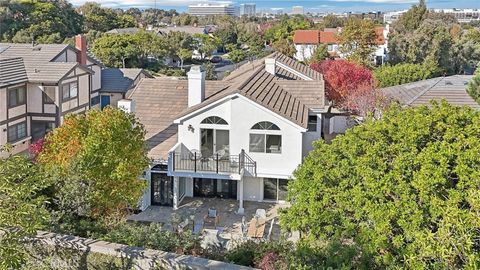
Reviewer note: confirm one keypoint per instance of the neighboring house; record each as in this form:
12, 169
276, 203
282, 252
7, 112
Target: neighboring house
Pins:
453, 89
129, 30
307, 41
239, 138
116, 82
39, 85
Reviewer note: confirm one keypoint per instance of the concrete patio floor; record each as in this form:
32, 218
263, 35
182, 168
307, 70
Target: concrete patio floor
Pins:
230, 221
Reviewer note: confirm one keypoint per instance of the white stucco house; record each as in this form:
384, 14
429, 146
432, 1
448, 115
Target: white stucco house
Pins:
239, 138
307, 41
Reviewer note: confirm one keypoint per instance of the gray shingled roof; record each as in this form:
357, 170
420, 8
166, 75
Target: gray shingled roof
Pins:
119, 80
128, 30
451, 88
160, 101
12, 71
37, 60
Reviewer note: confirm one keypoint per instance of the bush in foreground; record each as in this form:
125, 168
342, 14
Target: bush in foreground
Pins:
400, 192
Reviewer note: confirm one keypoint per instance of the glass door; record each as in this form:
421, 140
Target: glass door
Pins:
206, 142
214, 141
162, 189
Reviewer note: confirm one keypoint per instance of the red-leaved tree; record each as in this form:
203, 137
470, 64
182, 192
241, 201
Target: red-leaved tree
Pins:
343, 79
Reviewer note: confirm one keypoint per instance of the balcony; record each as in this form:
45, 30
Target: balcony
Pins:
184, 160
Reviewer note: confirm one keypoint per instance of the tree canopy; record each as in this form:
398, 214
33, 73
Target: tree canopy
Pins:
473, 87
343, 78
25, 21
357, 40
96, 160
404, 73
399, 193
22, 208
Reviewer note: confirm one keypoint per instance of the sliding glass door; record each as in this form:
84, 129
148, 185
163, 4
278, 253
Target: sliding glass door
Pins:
214, 141
275, 189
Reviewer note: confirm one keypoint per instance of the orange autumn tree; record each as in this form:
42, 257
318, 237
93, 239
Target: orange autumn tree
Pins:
96, 160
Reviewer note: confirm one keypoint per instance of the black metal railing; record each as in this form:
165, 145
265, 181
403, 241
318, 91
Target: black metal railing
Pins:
195, 162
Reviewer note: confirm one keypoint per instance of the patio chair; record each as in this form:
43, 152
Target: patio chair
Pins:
261, 213
211, 219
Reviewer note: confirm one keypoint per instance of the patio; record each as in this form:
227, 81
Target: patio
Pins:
229, 224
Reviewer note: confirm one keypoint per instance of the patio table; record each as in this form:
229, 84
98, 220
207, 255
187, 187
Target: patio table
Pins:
256, 228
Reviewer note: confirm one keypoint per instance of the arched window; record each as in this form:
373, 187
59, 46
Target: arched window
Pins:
214, 120
265, 125
265, 137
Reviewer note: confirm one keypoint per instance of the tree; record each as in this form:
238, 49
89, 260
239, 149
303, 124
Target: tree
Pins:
96, 160
115, 50
473, 87
320, 54
22, 208
285, 47
41, 21
236, 56
399, 193
404, 73
357, 40
332, 21
343, 78
411, 20
184, 54
205, 44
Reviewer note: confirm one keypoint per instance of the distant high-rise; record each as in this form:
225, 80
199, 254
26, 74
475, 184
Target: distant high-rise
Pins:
212, 9
247, 10
297, 10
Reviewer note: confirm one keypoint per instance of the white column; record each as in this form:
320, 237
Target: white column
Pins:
241, 210
175, 192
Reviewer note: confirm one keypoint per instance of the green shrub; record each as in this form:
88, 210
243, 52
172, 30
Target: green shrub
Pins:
404, 73
473, 88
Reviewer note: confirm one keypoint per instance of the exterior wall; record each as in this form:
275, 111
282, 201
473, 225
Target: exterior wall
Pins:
3, 104
304, 51
97, 77
338, 124
242, 114
68, 55
252, 189
114, 98
310, 136
82, 101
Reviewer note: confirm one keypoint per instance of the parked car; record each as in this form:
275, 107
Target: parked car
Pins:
216, 59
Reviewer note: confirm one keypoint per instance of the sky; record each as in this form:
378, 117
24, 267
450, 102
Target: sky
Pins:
286, 5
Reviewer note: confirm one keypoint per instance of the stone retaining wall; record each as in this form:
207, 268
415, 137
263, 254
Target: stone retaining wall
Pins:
140, 257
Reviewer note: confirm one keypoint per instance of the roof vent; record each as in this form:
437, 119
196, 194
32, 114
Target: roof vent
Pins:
37, 48
448, 83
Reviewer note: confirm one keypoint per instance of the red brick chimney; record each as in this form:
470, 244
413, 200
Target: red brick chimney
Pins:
81, 45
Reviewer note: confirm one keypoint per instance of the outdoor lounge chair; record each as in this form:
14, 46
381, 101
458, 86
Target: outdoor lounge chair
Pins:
211, 219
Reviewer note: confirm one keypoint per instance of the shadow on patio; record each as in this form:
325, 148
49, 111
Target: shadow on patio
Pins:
229, 222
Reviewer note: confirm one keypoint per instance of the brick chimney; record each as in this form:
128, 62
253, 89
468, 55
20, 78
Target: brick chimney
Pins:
81, 45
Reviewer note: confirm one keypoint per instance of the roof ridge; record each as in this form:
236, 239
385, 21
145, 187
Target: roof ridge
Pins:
424, 91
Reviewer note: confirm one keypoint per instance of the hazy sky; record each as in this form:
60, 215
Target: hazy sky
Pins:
286, 5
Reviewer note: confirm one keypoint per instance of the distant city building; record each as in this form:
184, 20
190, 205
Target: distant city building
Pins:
462, 15
247, 10
392, 16
297, 10
212, 9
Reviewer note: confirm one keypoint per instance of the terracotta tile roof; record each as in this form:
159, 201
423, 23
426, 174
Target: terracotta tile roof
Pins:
380, 40
451, 88
328, 36
306, 37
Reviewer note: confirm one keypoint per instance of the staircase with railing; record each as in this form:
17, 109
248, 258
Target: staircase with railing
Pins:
184, 160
